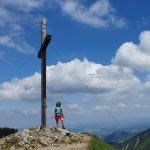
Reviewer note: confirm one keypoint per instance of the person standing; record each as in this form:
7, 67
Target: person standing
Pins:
59, 115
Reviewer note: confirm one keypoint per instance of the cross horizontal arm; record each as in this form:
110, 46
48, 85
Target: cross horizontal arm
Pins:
44, 44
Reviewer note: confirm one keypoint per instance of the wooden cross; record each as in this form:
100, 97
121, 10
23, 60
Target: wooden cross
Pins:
45, 40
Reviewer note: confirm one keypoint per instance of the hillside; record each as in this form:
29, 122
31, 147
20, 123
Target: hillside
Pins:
51, 138
138, 142
118, 137
97, 144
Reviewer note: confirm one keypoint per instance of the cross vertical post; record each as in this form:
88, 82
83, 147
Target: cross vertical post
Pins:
45, 39
43, 76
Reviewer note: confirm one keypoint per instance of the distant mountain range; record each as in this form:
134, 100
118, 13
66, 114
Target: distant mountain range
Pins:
118, 137
140, 141
130, 136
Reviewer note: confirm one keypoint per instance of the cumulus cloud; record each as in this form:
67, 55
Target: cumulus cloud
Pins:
102, 108
21, 89
122, 105
135, 56
76, 76
86, 86
100, 14
75, 107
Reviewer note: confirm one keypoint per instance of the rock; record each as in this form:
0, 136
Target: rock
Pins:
12, 148
43, 142
21, 143
35, 138
56, 139
26, 146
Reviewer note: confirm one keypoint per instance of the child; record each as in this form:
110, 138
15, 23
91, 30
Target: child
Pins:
59, 115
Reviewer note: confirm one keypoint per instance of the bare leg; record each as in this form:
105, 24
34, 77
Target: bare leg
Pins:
57, 122
62, 122
57, 125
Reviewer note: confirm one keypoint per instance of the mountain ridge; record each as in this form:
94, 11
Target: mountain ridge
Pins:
140, 141
118, 137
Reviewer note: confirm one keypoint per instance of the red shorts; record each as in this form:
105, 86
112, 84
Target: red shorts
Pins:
61, 117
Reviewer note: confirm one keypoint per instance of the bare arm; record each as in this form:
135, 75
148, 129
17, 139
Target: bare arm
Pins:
53, 114
62, 113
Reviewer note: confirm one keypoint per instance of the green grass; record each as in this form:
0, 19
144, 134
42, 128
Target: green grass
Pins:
97, 144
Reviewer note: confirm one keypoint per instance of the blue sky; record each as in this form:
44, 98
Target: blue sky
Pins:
98, 60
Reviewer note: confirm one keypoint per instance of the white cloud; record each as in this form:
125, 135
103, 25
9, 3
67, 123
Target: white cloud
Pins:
25, 89
122, 105
105, 88
6, 16
75, 107
102, 108
76, 76
100, 14
136, 56
140, 106
9, 41
12, 28
137, 106
26, 6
